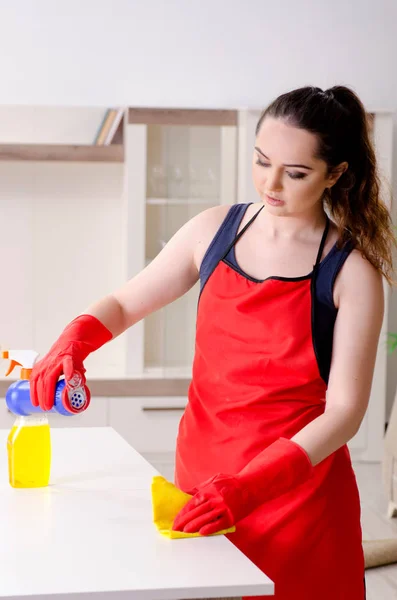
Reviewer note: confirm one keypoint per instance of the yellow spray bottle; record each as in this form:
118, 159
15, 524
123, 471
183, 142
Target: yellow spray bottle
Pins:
29, 442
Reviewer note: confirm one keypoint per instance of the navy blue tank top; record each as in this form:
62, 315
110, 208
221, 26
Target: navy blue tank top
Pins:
323, 308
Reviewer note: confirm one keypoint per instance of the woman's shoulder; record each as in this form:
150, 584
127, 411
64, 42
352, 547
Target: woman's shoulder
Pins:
359, 267
358, 279
207, 224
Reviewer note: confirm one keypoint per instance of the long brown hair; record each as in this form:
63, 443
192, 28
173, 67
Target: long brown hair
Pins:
338, 118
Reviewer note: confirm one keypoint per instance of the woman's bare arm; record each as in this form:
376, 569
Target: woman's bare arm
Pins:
171, 274
355, 343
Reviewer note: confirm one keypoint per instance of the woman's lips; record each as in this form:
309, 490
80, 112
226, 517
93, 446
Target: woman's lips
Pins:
274, 201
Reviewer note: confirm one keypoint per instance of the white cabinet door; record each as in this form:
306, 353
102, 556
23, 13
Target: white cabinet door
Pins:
149, 424
177, 164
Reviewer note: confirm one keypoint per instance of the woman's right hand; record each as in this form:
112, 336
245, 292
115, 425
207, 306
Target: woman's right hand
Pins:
81, 337
48, 370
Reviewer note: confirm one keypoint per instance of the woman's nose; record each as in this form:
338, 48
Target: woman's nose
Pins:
274, 180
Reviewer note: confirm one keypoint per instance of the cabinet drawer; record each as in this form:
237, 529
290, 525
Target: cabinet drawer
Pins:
149, 424
96, 415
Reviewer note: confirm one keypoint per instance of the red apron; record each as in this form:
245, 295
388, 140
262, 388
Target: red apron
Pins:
256, 378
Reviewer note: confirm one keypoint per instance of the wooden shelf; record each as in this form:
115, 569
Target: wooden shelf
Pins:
164, 372
181, 201
62, 153
182, 116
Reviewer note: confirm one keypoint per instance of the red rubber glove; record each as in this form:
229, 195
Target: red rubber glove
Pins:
81, 337
223, 500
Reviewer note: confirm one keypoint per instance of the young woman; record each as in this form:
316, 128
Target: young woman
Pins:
289, 317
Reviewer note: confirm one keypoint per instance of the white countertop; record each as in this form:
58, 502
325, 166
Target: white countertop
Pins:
91, 532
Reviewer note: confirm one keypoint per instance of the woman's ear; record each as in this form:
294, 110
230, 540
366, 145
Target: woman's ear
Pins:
336, 173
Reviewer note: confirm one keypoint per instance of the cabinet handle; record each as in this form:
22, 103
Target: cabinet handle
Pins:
162, 408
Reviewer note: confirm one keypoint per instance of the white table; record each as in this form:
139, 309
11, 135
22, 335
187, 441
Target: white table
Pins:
91, 532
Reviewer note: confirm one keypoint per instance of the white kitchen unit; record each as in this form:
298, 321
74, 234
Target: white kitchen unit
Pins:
90, 534
177, 164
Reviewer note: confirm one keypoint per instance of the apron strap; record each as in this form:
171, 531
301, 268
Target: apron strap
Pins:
320, 250
322, 243
241, 233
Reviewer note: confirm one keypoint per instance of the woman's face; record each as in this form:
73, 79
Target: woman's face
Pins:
285, 169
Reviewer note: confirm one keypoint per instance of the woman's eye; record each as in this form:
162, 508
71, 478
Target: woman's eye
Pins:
297, 175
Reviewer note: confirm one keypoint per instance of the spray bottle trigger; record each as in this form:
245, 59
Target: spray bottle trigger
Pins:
12, 365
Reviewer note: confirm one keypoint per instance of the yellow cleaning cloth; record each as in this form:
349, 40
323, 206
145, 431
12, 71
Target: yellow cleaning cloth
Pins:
167, 501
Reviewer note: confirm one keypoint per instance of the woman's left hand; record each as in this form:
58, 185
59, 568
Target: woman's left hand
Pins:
218, 504
223, 500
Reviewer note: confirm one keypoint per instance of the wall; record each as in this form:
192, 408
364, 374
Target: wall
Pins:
215, 53
45, 258
49, 124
